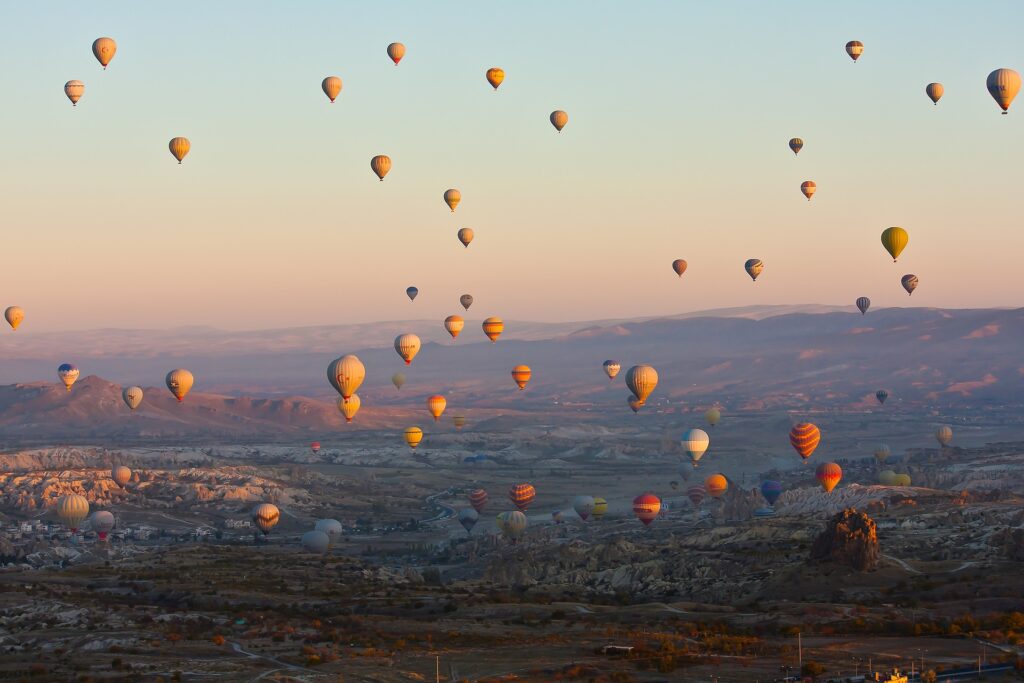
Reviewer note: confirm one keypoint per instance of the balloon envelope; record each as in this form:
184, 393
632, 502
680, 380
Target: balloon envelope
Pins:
68, 373
583, 505
72, 509
14, 315
132, 397
641, 380
466, 300
478, 499
179, 147
753, 266
828, 475
771, 490
265, 516
468, 518
934, 92
863, 304
716, 485
855, 49
895, 240
495, 76
121, 475
332, 87
346, 374
522, 495
180, 382
104, 49
413, 436
493, 327
558, 119
909, 283
316, 542
407, 346
1003, 85
796, 144
804, 438
646, 508
396, 51
611, 368
695, 442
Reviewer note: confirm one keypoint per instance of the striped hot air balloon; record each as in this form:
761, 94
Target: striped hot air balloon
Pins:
805, 438
611, 368
512, 524
350, 407
452, 197
863, 304
121, 475
828, 475
600, 508
934, 92
909, 282
265, 516
453, 324
522, 495
179, 147
478, 499
413, 436
493, 327
459, 421
436, 405
895, 240
1003, 85
882, 452
521, 375
716, 485
796, 144
944, 435
881, 395
695, 442
380, 165
696, 495
808, 187
641, 380
72, 509
407, 346
396, 51
646, 508
753, 266
855, 49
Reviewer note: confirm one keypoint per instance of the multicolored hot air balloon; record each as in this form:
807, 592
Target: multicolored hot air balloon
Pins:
679, 266
804, 437
771, 490
346, 374
478, 499
72, 509
796, 144
522, 495
611, 368
413, 436
265, 516
493, 327
74, 91
121, 475
600, 508
436, 405
459, 421
396, 51
716, 485
180, 382
895, 240
828, 475
713, 415
495, 76
452, 197
314, 447
934, 92
466, 300
14, 316
855, 49
753, 266
909, 282
512, 524
646, 507
944, 435
453, 324
179, 147
411, 292
881, 395
863, 304
407, 346
695, 442
380, 165
468, 518
1003, 85
398, 379
132, 397
641, 380
696, 495
521, 375
68, 373
104, 50
349, 407
882, 452
466, 236
584, 506
332, 87
808, 187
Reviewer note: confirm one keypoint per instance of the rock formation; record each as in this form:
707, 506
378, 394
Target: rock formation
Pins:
849, 539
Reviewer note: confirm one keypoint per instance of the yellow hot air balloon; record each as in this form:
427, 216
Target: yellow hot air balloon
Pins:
808, 187
265, 516
716, 485
74, 90
346, 374
381, 164
493, 327
132, 397
14, 316
413, 436
121, 475
454, 324
713, 415
466, 236
887, 478
350, 407
901, 479
934, 92
396, 51
641, 380
459, 421
558, 119
495, 76
180, 383
521, 375
1003, 85
452, 197
179, 147
600, 508
407, 346
895, 240
398, 379
72, 509
332, 87
104, 50
436, 405
67, 373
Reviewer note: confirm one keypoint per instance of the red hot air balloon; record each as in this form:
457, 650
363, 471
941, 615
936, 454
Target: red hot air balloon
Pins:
478, 499
646, 508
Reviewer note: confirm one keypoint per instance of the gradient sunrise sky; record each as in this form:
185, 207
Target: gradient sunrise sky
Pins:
676, 147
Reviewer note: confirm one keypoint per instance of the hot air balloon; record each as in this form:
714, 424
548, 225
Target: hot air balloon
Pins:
934, 92
466, 300
67, 373
332, 87
411, 292
895, 241
634, 403
753, 266
265, 516
944, 435
121, 475
104, 50
679, 266
641, 380
413, 436
74, 90
521, 375
102, 522
902, 479
909, 282
72, 509
1003, 85
180, 383
522, 495
881, 395
600, 508
478, 499
611, 368
696, 495
315, 447
407, 346
346, 374
713, 416
436, 405
674, 484
558, 119
398, 379
380, 165
132, 397
453, 324
828, 475
695, 442
331, 527
887, 478
557, 517
468, 518
452, 197
796, 144
493, 327
716, 485
882, 452
584, 506
179, 147
350, 407
513, 524
396, 51
863, 304
771, 490
646, 508
316, 542
855, 49
495, 76
808, 187
14, 316
466, 236
459, 421
805, 438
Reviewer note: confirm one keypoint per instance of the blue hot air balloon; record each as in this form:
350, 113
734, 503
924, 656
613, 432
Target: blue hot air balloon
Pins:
771, 490
411, 292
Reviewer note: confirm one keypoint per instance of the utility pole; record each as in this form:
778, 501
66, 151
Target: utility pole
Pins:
437, 668
800, 653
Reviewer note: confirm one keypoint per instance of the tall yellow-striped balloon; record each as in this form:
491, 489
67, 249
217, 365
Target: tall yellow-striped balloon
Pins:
179, 147
895, 240
521, 375
493, 327
641, 380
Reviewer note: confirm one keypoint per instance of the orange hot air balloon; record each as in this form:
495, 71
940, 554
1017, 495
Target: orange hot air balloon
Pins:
436, 405
495, 76
805, 438
641, 380
716, 485
828, 475
558, 119
646, 508
934, 92
522, 495
679, 265
331, 87
521, 375
466, 236
808, 187
179, 147
478, 499
454, 324
380, 165
104, 49
396, 51
452, 197
493, 327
